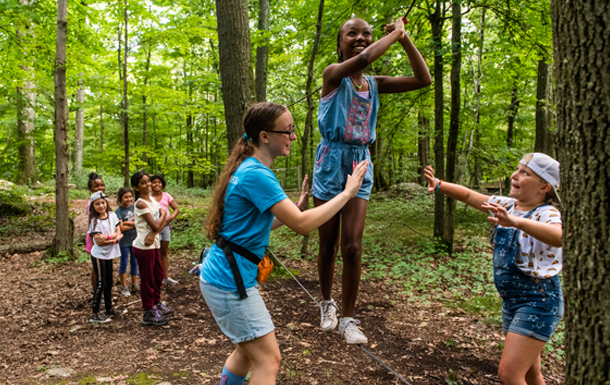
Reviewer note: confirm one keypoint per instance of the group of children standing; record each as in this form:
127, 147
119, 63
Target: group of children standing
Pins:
137, 232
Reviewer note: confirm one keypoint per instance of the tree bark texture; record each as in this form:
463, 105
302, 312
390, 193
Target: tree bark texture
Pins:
64, 226
28, 174
581, 37
510, 132
234, 50
125, 105
436, 22
543, 137
454, 123
79, 132
144, 114
262, 52
423, 146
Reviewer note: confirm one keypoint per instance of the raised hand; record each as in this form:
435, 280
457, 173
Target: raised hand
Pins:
499, 215
354, 181
429, 174
304, 199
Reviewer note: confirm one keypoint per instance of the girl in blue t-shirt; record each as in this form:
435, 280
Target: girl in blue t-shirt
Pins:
249, 203
347, 119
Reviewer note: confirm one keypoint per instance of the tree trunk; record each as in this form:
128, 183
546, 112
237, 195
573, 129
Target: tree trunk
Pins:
454, 124
79, 132
26, 97
512, 114
582, 64
436, 22
64, 227
144, 115
101, 133
543, 143
125, 106
262, 52
234, 50
423, 146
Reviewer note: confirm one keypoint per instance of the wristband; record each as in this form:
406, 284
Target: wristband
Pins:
109, 237
438, 184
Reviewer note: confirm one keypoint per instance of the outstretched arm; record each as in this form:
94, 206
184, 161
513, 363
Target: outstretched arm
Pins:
549, 233
306, 221
456, 191
421, 75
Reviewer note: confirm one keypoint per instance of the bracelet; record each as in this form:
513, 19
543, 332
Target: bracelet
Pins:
438, 184
109, 237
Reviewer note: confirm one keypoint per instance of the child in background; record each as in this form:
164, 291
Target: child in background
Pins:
125, 213
527, 260
94, 184
105, 231
165, 201
150, 220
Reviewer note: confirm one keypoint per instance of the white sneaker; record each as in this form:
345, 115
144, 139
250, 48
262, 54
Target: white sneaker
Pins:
350, 332
328, 315
169, 281
125, 291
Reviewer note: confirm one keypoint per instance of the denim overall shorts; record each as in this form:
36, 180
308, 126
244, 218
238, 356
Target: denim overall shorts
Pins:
532, 307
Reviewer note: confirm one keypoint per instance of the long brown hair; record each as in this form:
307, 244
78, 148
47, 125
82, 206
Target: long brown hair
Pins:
260, 117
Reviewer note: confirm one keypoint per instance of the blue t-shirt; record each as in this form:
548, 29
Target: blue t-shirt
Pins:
246, 221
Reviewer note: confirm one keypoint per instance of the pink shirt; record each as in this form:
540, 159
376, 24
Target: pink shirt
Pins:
165, 201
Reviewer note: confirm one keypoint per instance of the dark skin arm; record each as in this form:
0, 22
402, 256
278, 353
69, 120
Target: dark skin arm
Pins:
157, 225
334, 73
175, 211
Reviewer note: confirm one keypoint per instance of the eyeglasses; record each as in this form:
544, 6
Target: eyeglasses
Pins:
289, 133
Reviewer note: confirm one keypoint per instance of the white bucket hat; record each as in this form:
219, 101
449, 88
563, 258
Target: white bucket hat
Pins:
545, 167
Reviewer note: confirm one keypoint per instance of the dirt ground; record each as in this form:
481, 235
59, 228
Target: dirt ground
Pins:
44, 310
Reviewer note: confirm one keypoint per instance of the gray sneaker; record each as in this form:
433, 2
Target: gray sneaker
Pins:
350, 332
154, 317
169, 281
99, 318
328, 315
135, 288
125, 291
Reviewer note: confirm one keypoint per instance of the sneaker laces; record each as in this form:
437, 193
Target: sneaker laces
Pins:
164, 308
157, 312
349, 327
326, 307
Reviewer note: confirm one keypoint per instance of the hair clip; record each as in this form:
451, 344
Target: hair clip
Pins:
246, 138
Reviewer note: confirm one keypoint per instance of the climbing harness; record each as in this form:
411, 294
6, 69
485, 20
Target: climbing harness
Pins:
374, 357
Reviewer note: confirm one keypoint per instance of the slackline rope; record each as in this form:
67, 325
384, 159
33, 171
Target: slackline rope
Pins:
318, 304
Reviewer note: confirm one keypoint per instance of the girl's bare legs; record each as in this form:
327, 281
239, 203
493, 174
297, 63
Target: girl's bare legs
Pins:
164, 259
352, 221
328, 235
262, 354
520, 362
354, 215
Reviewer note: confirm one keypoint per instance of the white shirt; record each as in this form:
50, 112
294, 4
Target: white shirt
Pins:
105, 227
535, 258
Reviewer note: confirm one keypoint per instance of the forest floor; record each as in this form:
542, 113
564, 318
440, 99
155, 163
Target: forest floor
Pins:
429, 332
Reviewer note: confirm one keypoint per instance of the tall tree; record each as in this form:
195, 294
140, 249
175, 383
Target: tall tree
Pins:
64, 227
262, 52
125, 104
423, 145
454, 122
436, 21
25, 114
582, 62
77, 166
543, 135
235, 57
144, 111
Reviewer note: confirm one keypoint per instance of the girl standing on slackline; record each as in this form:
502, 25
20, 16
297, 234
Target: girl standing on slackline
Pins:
527, 260
248, 203
347, 117
165, 201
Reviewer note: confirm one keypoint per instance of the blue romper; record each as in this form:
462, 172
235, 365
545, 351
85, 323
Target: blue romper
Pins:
347, 125
531, 306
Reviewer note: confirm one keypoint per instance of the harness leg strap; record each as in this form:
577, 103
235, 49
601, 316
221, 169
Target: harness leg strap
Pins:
239, 282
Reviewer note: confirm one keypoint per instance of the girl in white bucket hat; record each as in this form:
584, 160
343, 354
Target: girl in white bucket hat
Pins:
527, 260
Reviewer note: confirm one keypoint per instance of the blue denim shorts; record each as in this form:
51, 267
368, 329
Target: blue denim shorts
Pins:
165, 234
240, 320
536, 317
